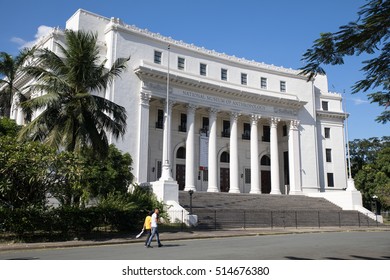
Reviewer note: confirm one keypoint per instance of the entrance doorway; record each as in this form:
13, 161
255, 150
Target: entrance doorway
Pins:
181, 175
225, 179
265, 181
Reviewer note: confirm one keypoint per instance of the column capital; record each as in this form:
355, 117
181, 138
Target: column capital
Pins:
213, 111
170, 104
144, 98
191, 108
294, 124
274, 121
234, 116
255, 119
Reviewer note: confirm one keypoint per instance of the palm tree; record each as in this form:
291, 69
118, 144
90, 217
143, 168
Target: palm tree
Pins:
73, 115
10, 69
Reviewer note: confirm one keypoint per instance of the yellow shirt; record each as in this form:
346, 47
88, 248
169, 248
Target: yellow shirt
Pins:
147, 223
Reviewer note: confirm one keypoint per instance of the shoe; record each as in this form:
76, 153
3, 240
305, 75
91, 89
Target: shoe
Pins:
149, 246
160, 245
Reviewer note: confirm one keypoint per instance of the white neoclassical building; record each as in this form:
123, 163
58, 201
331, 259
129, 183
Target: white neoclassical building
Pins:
229, 124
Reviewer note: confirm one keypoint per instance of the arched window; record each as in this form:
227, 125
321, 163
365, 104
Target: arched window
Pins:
225, 157
181, 153
265, 160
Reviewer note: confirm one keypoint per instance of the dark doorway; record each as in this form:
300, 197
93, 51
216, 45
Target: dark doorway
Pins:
225, 179
181, 175
265, 181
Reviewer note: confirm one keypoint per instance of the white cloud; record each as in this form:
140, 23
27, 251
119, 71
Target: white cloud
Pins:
359, 101
43, 30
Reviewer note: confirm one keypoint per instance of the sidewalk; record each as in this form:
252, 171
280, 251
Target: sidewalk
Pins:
183, 235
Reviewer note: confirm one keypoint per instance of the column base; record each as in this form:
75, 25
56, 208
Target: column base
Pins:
189, 188
212, 189
275, 192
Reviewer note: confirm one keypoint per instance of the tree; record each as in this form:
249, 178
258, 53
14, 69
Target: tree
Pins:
10, 69
8, 127
109, 175
24, 179
370, 160
73, 115
368, 34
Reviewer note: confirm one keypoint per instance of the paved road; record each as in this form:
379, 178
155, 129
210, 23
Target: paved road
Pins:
325, 246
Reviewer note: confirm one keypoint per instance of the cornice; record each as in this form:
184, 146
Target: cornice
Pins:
118, 25
289, 102
332, 115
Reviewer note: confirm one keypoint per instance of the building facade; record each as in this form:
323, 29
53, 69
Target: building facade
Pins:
235, 125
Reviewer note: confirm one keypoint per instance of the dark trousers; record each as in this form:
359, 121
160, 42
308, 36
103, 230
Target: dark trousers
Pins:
149, 232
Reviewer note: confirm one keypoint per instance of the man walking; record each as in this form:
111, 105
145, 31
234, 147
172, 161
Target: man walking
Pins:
154, 224
147, 226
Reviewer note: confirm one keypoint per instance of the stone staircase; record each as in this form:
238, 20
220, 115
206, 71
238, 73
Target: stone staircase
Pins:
226, 210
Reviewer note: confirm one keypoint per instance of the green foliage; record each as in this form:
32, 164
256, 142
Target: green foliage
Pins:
369, 34
72, 117
8, 127
109, 175
24, 179
371, 161
10, 68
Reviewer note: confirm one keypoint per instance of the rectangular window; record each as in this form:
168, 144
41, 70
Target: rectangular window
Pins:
263, 83
247, 175
325, 106
330, 179
266, 133
244, 78
205, 125
282, 86
157, 57
328, 155
327, 132
160, 119
224, 74
205, 175
183, 123
180, 63
203, 69
159, 169
226, 129
285, 131
247, 132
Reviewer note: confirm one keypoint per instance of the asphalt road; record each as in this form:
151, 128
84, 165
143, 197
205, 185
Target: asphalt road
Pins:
319, 246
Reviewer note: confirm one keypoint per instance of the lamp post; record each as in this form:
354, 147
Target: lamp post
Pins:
190, 192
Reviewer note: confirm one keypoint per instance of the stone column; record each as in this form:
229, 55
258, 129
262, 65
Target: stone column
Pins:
190, 149
143, 138
293, 158
213, 164
166, 174
275, 179
233, 165
255, 176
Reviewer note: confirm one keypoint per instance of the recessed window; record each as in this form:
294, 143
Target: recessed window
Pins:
157, 57
282, 86
325, 105
327, 132
160, 119
244, 79
266, 133
226, 129
247, 132
225, 157
330, 179
183, 123
265, 161
180, 63
181, 153
247, 175
224, 74
263, 83
328, 155
203, 69
285, 131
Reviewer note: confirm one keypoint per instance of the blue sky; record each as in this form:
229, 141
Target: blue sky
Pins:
275, 32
